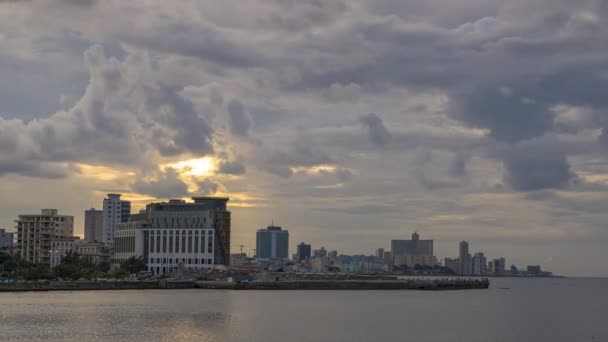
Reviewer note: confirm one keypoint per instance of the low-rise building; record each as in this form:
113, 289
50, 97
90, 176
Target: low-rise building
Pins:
95, 252
60, 248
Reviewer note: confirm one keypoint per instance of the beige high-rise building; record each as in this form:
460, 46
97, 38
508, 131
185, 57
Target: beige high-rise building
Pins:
36, 233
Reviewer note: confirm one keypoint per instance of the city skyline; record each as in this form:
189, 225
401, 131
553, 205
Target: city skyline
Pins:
350, 122
403, 252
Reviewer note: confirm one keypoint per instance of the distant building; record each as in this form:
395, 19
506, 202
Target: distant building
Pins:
272, 243
332, 256
465, 259
95, 252
498, 266
388, 258
238, 259
303, 252
411, 261
452, 264
534, 270
93, 225
36, 233
415, 246
60, 248
320, 253
479, 264
380, 253
6, 241
115, 211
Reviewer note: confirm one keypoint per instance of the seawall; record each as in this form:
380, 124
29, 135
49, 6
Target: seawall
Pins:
413, 284
349, 285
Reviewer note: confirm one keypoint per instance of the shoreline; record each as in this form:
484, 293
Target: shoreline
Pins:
417, 284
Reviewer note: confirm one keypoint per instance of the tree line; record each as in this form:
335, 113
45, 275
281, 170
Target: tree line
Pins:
73, 267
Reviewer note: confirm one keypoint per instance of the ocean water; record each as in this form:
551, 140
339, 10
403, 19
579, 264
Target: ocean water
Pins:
539, 310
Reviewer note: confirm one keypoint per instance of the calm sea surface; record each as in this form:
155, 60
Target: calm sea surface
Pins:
536, 310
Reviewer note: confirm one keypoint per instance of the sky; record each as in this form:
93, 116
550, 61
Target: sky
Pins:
349, 123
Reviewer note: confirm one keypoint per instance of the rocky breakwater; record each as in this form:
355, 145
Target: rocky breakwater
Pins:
410, 284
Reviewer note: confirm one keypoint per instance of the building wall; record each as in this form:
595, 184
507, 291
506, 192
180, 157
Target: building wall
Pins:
93, 225
35, 234
115, 211
303, 252
6, 241
413, 260
272, 243
415, 246
96, 252
59, 249
479, 264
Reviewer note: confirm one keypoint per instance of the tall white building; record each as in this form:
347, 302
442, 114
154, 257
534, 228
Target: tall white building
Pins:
115, 211
93, 225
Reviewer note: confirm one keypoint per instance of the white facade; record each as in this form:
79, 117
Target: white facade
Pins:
172, 248
115, 211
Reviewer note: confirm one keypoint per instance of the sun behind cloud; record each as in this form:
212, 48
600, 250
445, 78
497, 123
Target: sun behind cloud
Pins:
196, 167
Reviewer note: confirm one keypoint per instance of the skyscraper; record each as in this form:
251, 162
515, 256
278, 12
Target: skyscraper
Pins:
464, 258
380, 253
93, 225
303, 252
115, 211
479, 266
272, 243
36, 234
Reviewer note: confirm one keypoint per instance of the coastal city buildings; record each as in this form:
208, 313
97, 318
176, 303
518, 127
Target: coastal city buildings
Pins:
380, 253
272, 243
303, 252
35, 234
497, 266
6, 241
93, 225
115, 211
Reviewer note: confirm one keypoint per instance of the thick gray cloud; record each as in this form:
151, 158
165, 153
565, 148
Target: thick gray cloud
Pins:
238, 118
234, 167
166, 185
378, 133
206, 187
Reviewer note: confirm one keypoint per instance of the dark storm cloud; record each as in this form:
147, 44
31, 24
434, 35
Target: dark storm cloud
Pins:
535, 171
32, 169
378, 133
235, 167
167, 185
